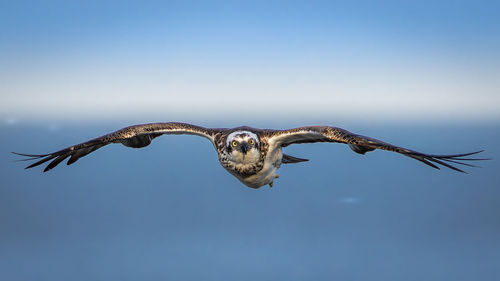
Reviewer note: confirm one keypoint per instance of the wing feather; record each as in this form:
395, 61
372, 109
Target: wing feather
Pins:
362, 144
136, 136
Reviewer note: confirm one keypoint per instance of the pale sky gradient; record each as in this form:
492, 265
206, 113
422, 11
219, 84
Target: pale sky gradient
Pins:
399, 60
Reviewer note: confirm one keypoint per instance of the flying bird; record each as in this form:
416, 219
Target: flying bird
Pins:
252, 155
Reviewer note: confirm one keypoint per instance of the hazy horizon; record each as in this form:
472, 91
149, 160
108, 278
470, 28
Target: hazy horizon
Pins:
422, 61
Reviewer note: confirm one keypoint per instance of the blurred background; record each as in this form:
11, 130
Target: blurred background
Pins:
421, 74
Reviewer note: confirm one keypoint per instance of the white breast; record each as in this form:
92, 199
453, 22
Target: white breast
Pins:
267, 174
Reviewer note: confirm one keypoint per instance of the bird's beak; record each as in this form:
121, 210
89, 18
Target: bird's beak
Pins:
244, 148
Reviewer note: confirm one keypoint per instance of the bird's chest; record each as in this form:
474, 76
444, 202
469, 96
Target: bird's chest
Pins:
268, 173
257, 174
240, 169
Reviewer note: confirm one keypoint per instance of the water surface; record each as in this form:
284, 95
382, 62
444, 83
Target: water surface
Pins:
171, 212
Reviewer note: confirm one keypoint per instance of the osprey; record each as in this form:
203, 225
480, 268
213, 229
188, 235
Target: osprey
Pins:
251, 155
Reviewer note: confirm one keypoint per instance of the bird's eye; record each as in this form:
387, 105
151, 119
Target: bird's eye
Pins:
252, 142
235, 143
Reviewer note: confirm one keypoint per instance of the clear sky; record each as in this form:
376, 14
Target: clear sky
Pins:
417, 60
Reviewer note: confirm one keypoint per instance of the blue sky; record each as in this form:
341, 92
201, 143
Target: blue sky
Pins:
411, 60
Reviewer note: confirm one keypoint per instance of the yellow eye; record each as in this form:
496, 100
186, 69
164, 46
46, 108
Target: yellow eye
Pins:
235, 143
251, 142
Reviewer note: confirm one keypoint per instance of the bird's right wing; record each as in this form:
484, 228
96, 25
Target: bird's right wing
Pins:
136, 136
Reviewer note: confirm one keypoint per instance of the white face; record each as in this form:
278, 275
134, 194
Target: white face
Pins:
243, 147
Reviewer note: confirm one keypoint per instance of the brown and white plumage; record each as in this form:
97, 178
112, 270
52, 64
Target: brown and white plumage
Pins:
251, 155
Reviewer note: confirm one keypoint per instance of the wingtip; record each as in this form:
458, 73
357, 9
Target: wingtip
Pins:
28, 155
20, 154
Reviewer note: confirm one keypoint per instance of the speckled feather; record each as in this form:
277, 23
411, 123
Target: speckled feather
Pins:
271, 143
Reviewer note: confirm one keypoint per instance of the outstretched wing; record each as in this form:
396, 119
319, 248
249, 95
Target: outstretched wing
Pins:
361, 144
136, 136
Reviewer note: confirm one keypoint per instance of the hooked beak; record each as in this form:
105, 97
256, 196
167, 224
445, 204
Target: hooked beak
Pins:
244, 148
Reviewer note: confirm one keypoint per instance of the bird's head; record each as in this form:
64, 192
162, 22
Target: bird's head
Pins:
243, 147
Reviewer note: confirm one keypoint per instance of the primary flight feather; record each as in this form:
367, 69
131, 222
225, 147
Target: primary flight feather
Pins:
251, 155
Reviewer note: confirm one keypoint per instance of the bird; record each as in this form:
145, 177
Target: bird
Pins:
252, 155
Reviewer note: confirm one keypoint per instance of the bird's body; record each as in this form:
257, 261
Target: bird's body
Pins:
249, 165
257, 167
252, 155
269, 171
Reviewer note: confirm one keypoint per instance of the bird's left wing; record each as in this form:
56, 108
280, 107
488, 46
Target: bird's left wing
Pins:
361, 144
136, 136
